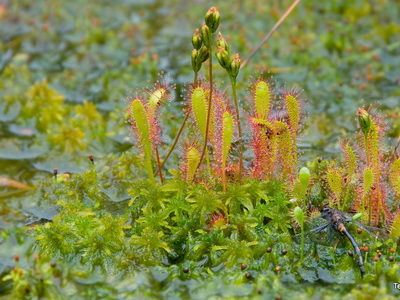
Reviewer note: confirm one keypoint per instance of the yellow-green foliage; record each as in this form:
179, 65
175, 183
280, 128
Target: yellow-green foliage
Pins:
44, 104
395, 229
69, 138
193, 159
154, 101
368, 181
139, 116
294, 111
372, 147
286, 146
199, 107
262, 100
395, 176
351, 161
334, 177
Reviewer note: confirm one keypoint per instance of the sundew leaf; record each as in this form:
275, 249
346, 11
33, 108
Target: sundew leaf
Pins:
193, 159
262, 100
395, 176
395, 229
293, 110
140, 117
154, 101
351, 160
335, 182
199, 107
368, 181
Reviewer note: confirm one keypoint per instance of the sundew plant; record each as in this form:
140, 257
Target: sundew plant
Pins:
232, 218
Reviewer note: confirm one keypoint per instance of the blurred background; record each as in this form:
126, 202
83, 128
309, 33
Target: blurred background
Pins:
66, 66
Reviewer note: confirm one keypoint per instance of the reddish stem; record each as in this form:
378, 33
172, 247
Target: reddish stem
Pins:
208, 113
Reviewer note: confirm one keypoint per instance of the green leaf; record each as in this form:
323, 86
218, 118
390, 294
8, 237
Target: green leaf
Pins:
139, 115
193, 159
395, 229
154, 101
368, 181
335, 182
199, 107
293, 110
262, 100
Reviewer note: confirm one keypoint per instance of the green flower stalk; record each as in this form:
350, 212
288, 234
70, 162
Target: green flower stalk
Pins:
304, 177
299, 216
232, 67
211, 24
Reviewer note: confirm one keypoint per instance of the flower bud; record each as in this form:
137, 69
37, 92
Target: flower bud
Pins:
197, 40
235, 66
212, 19
195, 58
304, 176
223, 57
364, 120
203, 54
221, 42
206, 35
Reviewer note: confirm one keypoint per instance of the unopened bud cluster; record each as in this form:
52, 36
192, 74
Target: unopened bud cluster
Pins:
202, 39
231, 65
200, 53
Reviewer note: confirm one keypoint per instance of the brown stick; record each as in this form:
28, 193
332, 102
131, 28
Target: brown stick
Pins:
267, 36
179, 132
175, 142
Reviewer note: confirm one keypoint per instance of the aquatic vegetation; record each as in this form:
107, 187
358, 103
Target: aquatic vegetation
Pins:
223, 211
364, 180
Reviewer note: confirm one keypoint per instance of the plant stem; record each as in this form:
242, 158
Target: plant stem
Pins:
302, 243
180, 130
233, 83
368, 160
208, 111
224, 177
369, 209
149, 166
159, 165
